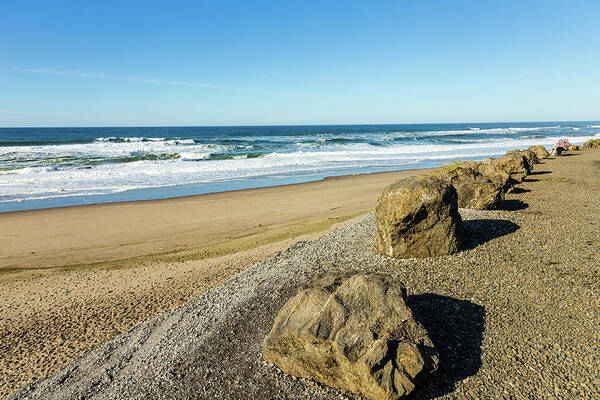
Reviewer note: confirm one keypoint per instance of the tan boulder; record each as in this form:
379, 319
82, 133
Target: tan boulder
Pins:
540, 151
499, 177
474, 189
529, 155
354, 332
418, 217
516, 166
592, 143
574, 147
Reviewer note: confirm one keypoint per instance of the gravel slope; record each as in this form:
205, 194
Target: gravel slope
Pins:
514, 316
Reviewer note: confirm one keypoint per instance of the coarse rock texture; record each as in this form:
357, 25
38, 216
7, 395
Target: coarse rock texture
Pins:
515, 315
418, 217
574, 147
592, 143
517, 166
530, 157
497, 177
474, 190
540, 151
352, 331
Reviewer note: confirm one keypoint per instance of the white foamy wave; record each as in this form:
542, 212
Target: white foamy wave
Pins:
106, 148
144, 139
192, 167
129, 139
194, 155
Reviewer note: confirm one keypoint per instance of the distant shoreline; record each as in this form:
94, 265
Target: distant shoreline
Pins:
412, 171
292, 125
92, 233
58, 167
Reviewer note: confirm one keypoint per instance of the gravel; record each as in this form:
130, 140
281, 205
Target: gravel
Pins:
515, 315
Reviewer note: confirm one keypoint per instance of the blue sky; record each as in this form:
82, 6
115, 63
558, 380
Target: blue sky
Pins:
106, 63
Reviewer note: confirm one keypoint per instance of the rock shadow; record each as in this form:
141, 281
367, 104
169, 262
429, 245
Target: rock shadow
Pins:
518, 190
513, 204
456, 328
540, 173
480, 231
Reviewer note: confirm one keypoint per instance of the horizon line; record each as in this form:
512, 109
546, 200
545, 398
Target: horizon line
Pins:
283, 125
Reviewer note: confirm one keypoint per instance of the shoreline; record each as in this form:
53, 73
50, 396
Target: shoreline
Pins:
188, 196
96, 233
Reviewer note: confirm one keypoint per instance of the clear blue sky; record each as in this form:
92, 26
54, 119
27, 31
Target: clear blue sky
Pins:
98, 63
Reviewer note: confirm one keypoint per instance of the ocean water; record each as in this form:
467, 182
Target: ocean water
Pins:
54, 167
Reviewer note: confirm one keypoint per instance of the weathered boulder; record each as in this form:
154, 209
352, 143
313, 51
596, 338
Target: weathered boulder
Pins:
516, 166
496, 176
529, 155
574, 147
499, 177
592, 143
474, 190
540, 151
418, 217
355, 332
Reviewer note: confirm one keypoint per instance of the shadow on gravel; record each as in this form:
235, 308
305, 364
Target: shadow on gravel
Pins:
480, 231
513, 205
540, 173
456, 329
518, 190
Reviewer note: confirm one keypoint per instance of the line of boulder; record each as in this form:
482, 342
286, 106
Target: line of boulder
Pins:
354, 331
418, 216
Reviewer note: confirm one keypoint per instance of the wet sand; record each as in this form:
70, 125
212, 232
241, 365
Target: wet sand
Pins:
244, 218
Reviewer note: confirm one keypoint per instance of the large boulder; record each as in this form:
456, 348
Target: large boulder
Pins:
540, 151
355, 332
529, 155
418, 217
474, 190
592, 143
516, 166
499, 177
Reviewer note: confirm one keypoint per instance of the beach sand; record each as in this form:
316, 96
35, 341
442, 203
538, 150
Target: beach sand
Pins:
514, 315
72, 277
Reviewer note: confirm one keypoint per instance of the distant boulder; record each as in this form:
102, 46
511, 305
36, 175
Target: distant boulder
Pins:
355, 332
499, 177
516, 166
540, 151
418, 217
474, 189
592, 143
529, 155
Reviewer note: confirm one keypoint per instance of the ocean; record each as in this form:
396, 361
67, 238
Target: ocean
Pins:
55, 167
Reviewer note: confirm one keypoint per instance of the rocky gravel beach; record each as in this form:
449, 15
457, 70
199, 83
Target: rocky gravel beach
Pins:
514, 315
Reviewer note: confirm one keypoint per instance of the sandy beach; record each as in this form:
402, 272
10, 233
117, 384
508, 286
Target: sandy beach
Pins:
72, 277
513, 315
